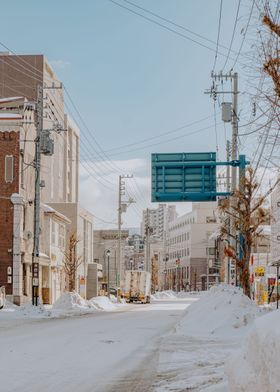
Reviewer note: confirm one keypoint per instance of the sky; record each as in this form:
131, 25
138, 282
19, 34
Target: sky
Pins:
134, 83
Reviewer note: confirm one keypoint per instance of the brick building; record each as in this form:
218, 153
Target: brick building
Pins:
16, 197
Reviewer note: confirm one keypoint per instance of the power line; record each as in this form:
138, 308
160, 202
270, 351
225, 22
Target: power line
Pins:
244, 35
167, 28
175, 24
233, 34
218, 37
160, 134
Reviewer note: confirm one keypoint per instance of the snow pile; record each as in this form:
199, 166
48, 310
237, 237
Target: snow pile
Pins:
168, 294
31, 311
256, 366
221, 312
72, 304
24, 311
103, 303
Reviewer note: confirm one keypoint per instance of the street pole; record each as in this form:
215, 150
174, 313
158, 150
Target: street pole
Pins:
234, 157
37, 164
228, 224
119, 238
108, 273
121, 208
277, 282
234, 121
147, 232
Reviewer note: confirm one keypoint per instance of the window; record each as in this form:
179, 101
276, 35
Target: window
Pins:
61, 236
53, 233
211, 251
9, 168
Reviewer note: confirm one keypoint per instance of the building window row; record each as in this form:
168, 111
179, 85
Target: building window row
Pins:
184, 223
179, 253
180, 238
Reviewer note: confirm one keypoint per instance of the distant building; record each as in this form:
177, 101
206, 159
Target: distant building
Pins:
157, 219
189, 248
107, 240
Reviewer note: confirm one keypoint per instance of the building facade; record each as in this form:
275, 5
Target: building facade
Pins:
107, 240
189, 248
157, 220
21, 76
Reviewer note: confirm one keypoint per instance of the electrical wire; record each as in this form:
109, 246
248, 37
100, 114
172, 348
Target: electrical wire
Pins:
233, 34
168, 28
218, 36
176, 24
244, 35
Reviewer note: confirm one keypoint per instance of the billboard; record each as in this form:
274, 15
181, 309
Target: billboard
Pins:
184, 177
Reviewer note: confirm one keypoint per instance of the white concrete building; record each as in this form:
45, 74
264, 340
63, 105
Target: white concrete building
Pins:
189, 247
157, 219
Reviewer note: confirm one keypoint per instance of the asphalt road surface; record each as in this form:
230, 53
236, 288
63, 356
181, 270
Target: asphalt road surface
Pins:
105, 351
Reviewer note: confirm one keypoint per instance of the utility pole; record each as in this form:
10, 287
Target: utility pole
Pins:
37, 164
122, 206
228, 269
147, 232
230, 116
43, 145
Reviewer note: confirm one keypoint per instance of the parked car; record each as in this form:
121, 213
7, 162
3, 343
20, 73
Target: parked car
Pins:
113, 291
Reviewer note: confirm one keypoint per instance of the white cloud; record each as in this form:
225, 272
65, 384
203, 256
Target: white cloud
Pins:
99, 191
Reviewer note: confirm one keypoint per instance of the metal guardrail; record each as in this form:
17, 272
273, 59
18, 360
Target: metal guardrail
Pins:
2, 297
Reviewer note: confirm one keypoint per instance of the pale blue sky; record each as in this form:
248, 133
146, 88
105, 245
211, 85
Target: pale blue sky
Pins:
131, 79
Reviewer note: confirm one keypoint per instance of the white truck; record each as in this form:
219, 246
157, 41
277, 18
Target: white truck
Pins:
137, 286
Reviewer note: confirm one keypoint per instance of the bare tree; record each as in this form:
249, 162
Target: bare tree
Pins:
272, 61
248, 214
154, 277
71, 261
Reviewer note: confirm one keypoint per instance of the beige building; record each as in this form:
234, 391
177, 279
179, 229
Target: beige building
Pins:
189, 248
20, 76
81, 224
107, 240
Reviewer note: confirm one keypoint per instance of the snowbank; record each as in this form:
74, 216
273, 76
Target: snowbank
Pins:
221, 312
256, 366
168, 294
103, 303
72, 304
11, 311
68, 304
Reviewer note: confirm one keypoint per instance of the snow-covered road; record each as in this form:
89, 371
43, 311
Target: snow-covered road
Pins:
105, 351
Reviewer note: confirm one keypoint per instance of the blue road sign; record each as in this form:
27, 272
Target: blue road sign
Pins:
184, 177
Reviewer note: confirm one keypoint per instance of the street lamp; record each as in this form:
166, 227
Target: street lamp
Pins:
108, 252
